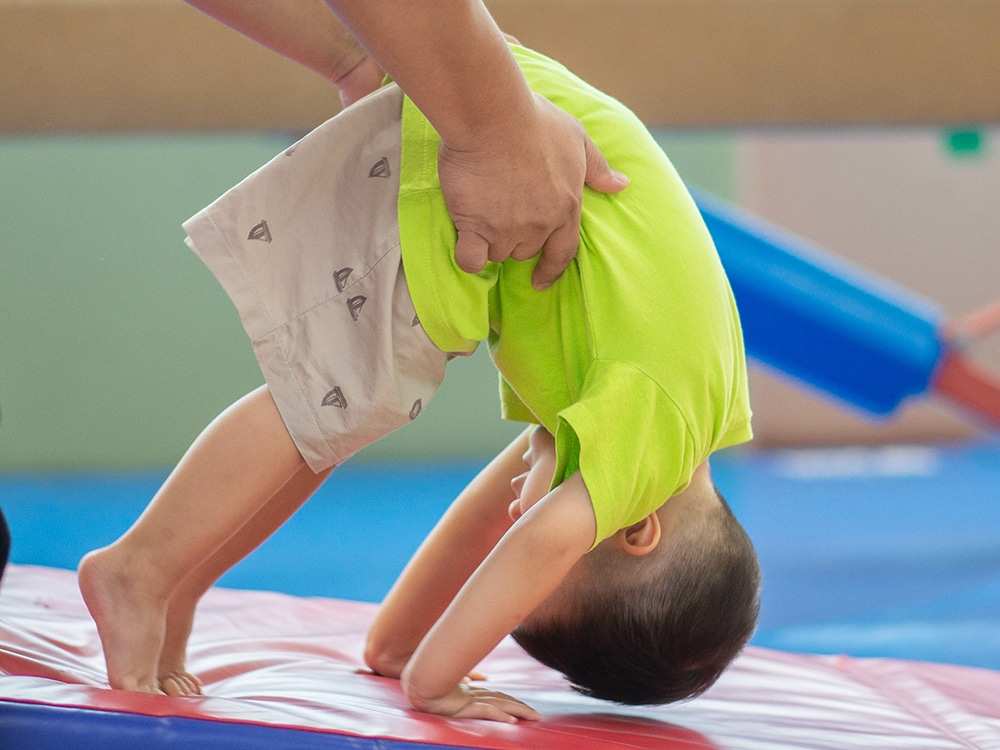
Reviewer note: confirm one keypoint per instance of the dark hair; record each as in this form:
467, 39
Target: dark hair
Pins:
640, 633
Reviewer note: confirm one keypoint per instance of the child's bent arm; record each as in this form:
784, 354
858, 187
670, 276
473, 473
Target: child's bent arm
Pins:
454, 549
526, 566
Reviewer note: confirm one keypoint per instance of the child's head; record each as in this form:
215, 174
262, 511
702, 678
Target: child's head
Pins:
656, 612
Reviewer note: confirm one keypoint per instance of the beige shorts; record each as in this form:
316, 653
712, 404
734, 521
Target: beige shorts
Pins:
307, 247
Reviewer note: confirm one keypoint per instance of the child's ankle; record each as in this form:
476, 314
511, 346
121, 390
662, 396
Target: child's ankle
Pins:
130, 573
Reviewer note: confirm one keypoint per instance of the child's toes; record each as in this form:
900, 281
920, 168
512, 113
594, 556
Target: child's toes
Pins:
180, 684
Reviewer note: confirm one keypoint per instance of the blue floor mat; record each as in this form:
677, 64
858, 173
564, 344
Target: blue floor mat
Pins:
888, 551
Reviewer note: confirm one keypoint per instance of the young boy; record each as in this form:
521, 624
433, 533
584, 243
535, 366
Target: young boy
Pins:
597, 537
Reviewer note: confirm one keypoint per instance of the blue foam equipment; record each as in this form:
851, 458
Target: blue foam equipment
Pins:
841, 329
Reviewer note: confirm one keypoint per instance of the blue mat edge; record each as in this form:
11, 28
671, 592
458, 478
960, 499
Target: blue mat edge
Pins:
36, 726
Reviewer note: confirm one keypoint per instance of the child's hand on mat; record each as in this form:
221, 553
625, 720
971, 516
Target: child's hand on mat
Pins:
470, 702
519, 190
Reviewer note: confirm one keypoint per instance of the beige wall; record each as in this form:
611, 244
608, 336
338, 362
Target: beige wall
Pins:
154, 65
899, 202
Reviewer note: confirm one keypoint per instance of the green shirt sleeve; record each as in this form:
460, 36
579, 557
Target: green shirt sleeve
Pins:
629, 441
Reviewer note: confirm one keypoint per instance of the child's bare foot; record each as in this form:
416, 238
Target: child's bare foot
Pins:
174, 678
180, 684
130, 619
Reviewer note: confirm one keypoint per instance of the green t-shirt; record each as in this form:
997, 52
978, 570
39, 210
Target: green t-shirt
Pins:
634, 358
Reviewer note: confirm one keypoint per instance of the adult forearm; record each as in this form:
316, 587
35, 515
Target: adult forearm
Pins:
302, 30
449, 57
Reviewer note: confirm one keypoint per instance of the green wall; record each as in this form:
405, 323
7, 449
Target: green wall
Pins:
117, 346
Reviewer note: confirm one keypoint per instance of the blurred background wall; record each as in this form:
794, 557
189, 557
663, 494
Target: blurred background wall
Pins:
117, 346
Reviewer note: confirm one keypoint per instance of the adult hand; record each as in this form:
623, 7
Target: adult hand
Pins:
521, 194
471, 702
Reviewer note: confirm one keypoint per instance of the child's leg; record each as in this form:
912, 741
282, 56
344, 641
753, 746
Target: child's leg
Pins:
173, 678
235, 466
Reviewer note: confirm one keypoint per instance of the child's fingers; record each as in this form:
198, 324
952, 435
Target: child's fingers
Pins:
484, 710
508, 705
475, 676
503, 709
521, 711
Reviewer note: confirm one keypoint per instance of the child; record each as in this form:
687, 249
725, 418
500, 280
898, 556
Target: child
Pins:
597, 537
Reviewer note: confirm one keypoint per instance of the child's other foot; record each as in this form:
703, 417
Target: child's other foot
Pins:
130, 620
180, 684
174, 678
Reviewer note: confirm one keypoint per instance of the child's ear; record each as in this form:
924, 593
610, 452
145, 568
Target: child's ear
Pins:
641, 538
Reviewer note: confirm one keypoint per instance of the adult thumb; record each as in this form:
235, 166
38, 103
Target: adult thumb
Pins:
599, 175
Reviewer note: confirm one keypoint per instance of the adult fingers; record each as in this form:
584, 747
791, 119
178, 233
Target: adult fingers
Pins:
526, 250
471, 251
558, 253
501, 249
599, 175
